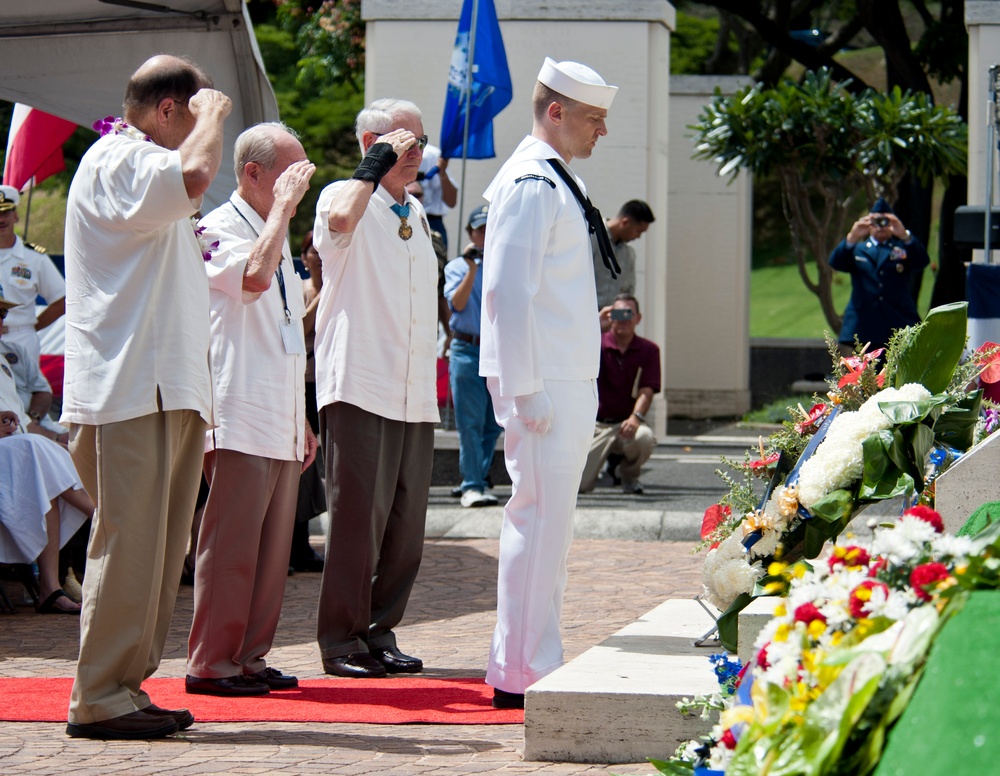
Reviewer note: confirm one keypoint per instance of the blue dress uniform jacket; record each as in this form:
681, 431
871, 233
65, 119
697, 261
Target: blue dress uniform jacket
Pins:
880, 287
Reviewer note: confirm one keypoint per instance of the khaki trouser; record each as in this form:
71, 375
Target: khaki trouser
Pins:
606, 441
242, 564
143, 473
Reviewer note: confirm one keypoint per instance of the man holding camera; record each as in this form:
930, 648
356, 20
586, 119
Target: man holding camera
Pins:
629, 377
882, 257
477, 426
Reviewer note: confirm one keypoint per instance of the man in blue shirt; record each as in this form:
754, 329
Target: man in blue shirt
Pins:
881, 256
474, 418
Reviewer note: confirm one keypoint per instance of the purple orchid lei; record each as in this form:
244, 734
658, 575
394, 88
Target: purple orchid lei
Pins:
111, 125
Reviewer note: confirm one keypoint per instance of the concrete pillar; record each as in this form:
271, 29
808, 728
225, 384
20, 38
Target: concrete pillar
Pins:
708, 267
982, 19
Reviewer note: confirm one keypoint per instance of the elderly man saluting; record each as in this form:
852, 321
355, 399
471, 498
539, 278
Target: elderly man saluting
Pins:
138, 392
254, 457
540, 354
376, 340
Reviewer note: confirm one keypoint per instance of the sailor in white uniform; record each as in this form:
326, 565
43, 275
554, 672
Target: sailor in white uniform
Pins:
540, 354
26, 272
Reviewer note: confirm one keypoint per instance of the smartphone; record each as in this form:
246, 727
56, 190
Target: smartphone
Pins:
621, 314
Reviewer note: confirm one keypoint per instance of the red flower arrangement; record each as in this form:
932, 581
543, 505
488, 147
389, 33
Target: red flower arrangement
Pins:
851, 556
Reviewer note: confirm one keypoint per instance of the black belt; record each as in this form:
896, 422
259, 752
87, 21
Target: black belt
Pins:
472, 339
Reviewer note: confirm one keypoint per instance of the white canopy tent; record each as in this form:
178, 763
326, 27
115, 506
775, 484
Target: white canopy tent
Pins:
72, 58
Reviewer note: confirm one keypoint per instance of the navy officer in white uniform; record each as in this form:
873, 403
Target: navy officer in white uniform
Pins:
540, 353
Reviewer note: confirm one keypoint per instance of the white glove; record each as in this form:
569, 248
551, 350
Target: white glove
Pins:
535, 411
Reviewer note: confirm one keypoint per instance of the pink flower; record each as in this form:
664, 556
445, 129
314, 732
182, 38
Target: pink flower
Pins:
728, 740
856, 365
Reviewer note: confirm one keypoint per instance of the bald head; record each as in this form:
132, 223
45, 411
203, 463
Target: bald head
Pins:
160, 77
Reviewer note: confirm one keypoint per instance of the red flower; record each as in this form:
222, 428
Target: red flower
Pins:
728, 740
765, 462
812, 419
856, 365
879, 564
762, 661
714, 516
807, 613
861, 595
927, 575
851, 556
928, 515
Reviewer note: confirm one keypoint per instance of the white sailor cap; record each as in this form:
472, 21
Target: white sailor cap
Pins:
9, 198
578, 82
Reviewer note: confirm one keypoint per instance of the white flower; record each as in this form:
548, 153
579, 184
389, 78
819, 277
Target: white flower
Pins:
958, 547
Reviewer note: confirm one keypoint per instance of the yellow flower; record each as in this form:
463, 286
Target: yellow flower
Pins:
776, 568
781, 634
816, 629
780, 610
799, 570
735, 715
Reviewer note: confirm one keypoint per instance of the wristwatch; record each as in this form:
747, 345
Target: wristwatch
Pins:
639, 415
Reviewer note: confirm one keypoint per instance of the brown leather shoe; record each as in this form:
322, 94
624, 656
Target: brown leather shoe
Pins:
182, 717
136, 725
359, 665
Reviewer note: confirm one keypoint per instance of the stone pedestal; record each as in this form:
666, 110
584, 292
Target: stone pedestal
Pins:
970, 482
616, 702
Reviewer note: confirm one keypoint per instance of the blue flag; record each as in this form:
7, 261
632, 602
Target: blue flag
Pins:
491, 89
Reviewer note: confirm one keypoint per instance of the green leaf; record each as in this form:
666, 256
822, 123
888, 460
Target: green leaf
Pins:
833, 506
957, 424
900, 412
729, 622
931, 356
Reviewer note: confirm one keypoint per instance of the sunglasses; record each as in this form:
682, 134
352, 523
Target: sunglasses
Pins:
422, 142
3, 313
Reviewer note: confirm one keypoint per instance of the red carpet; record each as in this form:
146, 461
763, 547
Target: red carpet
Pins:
393, 701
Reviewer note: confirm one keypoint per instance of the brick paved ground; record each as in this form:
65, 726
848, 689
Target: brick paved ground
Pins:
448, 624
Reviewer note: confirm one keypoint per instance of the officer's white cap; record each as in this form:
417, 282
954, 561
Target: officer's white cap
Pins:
578, 82
9, 198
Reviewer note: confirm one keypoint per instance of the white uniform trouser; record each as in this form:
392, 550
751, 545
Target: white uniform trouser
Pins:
26, 337
537, 531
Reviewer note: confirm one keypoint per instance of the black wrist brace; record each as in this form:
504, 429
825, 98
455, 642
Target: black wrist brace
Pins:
377, 162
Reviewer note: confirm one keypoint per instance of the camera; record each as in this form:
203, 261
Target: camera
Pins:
621, 314
880, 221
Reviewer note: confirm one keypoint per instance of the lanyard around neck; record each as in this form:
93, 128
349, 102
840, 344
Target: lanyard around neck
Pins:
277, 273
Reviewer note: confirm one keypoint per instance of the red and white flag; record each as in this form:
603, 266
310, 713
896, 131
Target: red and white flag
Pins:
34, 146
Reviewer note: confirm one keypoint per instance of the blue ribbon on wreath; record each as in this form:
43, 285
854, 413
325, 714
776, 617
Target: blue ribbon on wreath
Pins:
793, 476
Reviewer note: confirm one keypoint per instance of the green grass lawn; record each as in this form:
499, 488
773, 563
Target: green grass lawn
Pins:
782, 306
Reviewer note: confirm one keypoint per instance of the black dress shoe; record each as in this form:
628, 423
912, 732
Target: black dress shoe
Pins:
233, 686
274, 679
359, 665
507, 700
133, 726
396, 662
182, 717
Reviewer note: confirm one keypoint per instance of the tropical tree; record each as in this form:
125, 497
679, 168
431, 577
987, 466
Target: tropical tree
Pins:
831, 150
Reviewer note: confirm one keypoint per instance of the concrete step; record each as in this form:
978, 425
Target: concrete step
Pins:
615, 703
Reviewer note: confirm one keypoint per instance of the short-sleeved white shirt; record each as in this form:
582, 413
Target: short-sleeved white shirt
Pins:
25, 274
539, 317
136, 290
259, 386
376, 326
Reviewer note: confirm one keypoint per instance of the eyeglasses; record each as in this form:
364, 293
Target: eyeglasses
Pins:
3, 313
422, 142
